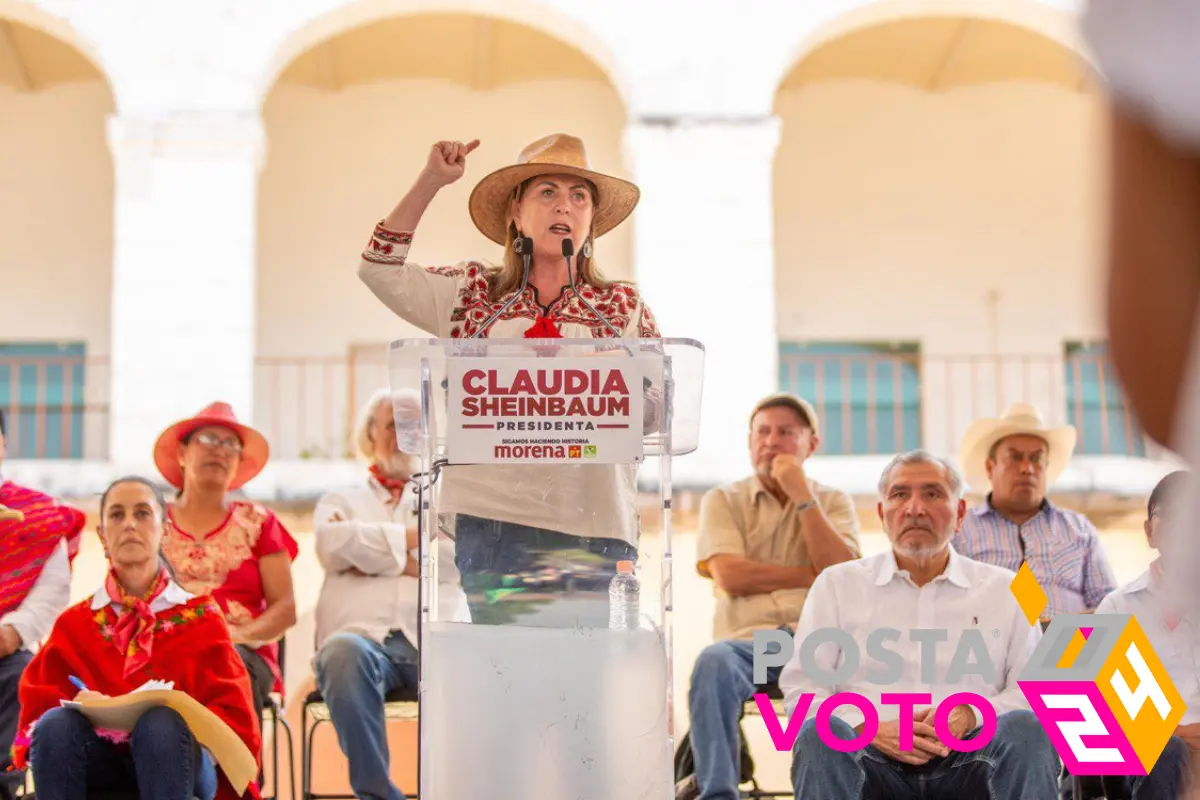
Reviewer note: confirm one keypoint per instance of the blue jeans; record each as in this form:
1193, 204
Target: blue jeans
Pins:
516, 573
354, 674
722, 681
1019, 763
163, 759
11, 667
1166, 779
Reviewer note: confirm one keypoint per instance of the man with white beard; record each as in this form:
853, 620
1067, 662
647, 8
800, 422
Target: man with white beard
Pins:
367, 541
920, 584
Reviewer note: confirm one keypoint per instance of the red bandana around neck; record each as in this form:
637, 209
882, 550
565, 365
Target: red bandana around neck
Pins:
134, 631
543, 328
393, 485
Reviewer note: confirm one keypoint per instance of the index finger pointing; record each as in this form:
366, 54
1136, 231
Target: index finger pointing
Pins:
471, 145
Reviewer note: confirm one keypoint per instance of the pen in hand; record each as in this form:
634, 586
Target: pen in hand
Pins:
80, 685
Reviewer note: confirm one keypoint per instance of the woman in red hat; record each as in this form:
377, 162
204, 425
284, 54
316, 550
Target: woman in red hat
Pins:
235, 550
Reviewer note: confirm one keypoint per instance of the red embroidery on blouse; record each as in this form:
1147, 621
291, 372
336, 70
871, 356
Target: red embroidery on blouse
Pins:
383, 243
203, 565
472, 309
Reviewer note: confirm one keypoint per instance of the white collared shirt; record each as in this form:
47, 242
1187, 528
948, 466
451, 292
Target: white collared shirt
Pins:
861, 596
1178, 649
370, 538
47, 598
173, 595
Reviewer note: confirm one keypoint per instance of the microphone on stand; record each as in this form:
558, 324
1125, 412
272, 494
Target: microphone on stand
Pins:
568, 250
651, 413
522, 246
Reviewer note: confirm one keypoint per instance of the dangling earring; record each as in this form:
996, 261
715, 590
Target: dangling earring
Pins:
586, 252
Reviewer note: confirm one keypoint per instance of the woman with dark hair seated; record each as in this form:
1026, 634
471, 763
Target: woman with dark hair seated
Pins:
139, 626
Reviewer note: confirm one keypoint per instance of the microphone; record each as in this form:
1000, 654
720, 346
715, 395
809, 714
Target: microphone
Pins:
568, 250
653, 410
522, 246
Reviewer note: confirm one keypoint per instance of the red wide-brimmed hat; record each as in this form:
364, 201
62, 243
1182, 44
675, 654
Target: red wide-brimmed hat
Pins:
255, 450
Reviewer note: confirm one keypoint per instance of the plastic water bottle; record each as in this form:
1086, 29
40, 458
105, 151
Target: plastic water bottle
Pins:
623, 598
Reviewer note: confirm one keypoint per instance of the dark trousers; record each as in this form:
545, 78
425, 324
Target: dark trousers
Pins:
163, 760
11, 667
262, 679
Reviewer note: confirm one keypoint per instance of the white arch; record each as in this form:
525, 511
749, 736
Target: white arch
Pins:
345, 15
1037, 16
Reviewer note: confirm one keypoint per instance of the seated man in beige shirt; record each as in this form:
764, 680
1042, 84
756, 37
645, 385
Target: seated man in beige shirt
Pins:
763, 541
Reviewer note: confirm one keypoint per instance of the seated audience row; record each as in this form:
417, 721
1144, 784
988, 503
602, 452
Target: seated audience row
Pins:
783, 552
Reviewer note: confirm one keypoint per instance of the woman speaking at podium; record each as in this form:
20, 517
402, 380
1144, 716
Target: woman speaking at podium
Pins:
572, 522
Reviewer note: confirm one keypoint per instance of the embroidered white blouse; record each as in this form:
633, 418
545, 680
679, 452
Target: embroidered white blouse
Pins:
588, 500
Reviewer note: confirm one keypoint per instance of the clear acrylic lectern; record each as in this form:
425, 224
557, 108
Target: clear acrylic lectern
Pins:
531, 688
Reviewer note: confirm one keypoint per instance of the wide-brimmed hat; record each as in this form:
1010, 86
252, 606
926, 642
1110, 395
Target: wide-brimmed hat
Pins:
1017, 419
557, 154
255, 450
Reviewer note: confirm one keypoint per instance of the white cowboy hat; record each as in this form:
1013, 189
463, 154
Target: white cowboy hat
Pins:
1019, 418
558, 153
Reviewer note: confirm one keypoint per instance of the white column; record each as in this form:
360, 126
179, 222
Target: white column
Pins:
704, 250
184, 271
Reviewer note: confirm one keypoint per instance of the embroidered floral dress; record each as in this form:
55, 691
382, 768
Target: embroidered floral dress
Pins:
224, 564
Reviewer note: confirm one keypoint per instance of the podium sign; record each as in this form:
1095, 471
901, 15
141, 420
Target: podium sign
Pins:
527, 447
565, 410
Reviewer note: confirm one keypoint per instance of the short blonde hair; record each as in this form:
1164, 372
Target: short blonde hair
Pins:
405, 404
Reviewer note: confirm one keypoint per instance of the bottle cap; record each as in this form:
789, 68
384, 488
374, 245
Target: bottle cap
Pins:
625, 567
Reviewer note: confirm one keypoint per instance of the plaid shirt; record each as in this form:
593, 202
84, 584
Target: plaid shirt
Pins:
1061, 546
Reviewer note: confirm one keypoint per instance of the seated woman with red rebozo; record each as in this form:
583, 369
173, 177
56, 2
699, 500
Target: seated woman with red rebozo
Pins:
138, 627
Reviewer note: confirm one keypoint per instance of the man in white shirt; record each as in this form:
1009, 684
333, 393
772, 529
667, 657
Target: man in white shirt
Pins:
1172, 635
367, 541
937, 600
37, 546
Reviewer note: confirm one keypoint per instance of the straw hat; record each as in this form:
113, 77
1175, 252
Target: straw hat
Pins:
557, 154
1019, 418
255, 450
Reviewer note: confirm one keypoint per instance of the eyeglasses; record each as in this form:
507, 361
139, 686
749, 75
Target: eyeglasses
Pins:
212, 441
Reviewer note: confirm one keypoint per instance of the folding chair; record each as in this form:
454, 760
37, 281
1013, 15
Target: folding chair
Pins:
399, 706
772, 690
278, 716
684, 765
